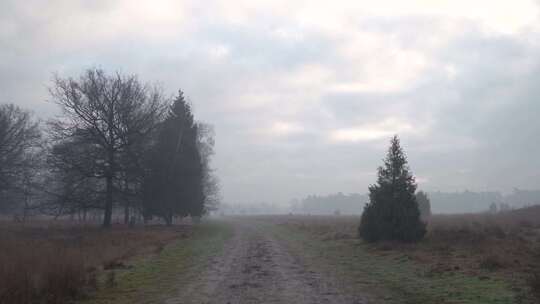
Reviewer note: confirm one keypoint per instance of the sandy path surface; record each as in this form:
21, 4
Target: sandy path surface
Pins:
256, 267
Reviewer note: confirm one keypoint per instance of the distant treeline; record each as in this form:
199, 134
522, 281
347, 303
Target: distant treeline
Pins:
252, 208
330, 204
469, 201
441, 202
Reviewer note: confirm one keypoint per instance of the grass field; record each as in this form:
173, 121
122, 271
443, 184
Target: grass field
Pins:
152, 279
468, 258
55, 261
463, 259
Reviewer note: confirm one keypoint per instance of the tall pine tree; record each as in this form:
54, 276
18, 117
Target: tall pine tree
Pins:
174, 183
392, 212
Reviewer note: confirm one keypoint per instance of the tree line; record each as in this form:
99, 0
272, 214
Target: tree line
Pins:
119, 145
346, 204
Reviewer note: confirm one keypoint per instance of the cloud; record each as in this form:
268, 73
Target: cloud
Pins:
381, 130
305, 95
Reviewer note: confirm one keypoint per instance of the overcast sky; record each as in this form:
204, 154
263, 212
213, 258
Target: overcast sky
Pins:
305, 95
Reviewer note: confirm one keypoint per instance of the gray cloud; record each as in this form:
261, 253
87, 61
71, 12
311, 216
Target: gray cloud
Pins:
300, 107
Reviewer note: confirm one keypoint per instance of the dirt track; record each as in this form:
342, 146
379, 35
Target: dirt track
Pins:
257, 267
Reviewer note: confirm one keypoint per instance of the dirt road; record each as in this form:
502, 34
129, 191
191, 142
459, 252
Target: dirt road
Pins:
257, 267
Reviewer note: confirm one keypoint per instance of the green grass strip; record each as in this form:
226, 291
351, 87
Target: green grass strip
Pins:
153, 279
392, 275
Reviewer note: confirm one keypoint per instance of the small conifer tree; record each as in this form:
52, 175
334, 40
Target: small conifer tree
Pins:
392, 212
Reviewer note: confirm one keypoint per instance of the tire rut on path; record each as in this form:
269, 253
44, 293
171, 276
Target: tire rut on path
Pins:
255, 267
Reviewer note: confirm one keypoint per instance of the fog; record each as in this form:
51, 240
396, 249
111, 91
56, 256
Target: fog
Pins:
353, 203
304, 97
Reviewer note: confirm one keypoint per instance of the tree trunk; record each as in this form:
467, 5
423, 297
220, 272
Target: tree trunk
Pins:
169, 219
108, 202
110, 169
126, 213
25, 210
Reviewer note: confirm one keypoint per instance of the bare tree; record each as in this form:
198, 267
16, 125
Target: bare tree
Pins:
74, 180
110, 114
19, 138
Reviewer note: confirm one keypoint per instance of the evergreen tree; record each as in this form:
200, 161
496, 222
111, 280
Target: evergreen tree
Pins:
173, 186
392, 212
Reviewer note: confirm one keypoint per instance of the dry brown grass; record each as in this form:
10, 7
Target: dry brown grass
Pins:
507, 242
46, 262
505, 245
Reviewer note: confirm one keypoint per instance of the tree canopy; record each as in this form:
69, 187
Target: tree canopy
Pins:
119, 146
174, 185
19, 138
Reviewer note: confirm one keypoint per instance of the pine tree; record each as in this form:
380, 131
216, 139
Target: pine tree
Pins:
392, 212
174, 185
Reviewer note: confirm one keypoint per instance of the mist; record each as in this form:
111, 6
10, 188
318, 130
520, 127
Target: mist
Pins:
270, 151
306, 107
